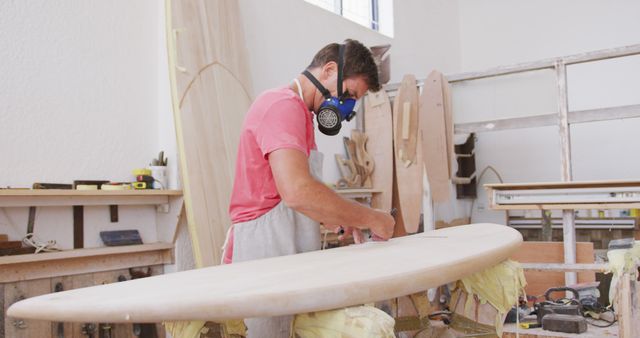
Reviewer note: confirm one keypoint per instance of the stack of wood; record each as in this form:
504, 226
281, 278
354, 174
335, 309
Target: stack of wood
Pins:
357, 166
8, 247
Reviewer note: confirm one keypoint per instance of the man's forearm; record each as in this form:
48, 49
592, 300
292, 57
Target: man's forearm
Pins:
322, 204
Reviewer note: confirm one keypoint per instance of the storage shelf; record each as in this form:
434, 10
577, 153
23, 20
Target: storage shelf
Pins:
580, 223
61, 197
573, 206
562, 185
357, 193
79, 261
89, 252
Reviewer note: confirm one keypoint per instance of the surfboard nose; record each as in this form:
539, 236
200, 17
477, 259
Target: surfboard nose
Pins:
18, 310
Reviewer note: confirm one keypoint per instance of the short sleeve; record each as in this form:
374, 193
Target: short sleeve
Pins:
283, 126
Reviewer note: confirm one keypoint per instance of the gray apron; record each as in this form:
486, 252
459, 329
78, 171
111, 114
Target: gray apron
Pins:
281, 231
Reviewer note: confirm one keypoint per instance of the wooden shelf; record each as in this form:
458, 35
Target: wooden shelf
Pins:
61, 197
80, 261
580, 223
557, 185
564, 195
573, 206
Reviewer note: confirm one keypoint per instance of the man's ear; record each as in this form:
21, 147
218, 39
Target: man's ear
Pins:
328, 70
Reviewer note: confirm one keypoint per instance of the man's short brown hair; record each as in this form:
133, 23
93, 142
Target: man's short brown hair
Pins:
358, 61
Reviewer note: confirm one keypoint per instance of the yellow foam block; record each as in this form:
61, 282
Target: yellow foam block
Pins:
358, 321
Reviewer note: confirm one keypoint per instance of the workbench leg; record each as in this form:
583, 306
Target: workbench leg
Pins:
627, 306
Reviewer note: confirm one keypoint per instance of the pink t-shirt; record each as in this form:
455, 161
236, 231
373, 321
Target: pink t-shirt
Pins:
277, 119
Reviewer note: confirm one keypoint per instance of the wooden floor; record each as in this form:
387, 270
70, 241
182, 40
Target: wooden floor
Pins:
592, 332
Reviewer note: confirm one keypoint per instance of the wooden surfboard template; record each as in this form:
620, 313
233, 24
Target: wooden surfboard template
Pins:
210, 94
312, 281
378, 125
436, 124
448, 122
408, 153
435, 143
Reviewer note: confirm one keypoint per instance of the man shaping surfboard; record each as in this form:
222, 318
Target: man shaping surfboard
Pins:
278, 200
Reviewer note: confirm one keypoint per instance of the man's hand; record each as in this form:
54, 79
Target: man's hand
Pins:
382, 225
303, 193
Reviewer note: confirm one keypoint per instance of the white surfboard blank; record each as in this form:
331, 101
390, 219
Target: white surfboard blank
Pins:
307, 282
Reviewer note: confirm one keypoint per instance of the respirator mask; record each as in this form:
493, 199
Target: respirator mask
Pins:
333, 110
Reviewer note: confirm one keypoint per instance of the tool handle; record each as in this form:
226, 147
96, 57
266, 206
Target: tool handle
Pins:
564, 288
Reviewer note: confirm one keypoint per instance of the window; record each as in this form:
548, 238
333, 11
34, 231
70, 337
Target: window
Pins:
375, 14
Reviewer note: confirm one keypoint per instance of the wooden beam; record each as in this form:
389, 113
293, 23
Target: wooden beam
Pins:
542, 120
604, 114
565, 131
602, 54
549, 119
563, 267
548, 63
535, 65
627, 305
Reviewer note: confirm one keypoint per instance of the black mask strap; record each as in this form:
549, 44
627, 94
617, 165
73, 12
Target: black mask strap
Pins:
340, 66
321, 88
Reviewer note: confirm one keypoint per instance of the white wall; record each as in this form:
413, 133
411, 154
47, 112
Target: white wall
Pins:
503, 32
78, 96
79, 99
283, 42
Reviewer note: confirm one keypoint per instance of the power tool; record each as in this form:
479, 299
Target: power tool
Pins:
562, 314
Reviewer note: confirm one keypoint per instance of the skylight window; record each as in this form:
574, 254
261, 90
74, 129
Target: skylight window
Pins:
375, 14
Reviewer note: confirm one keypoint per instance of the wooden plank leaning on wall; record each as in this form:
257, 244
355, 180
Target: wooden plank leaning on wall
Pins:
210, 93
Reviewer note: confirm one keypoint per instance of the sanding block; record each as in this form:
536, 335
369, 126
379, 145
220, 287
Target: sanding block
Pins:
120, 237
564, 323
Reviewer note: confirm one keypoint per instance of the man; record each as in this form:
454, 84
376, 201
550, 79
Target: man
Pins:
278, 199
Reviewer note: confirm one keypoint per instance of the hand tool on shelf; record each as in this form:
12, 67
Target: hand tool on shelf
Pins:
143, 182
160, 161
120, 237
562, 314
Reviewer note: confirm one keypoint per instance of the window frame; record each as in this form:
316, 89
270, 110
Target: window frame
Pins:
374, 15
